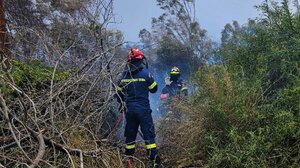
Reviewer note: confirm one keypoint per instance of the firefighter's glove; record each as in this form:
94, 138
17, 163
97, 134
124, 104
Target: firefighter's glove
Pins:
167, 80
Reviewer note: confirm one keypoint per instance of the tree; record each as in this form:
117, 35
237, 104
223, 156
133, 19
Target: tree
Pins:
178, 25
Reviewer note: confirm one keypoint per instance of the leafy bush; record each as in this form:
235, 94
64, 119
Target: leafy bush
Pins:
242, 127
32, 75
250, 104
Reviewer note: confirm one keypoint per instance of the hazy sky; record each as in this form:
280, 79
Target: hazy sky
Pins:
134, 15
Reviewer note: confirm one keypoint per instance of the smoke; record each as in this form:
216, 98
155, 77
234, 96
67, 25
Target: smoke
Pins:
154, 98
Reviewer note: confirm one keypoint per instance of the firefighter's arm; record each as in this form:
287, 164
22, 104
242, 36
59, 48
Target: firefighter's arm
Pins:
152, 85
168, 81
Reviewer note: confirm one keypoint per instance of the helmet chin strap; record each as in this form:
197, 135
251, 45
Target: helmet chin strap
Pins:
132, 53
146, 64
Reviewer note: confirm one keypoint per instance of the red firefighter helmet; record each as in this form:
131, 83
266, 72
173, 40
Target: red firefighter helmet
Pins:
135, 55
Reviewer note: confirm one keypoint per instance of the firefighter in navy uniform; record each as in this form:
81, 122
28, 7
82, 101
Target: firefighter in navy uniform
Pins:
174, 90
174, 85
134, 87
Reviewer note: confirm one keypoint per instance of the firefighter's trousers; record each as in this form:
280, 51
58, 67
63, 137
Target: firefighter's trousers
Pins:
145, 121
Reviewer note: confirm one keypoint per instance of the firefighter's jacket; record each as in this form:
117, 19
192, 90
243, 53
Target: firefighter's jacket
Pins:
134, 88
175, 88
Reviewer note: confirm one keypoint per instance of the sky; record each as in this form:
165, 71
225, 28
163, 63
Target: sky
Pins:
131, 16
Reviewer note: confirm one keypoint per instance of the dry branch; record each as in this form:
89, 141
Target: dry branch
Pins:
12, 144
73, 110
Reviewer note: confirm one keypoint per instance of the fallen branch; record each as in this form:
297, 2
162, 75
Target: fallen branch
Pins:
41, 152
6, 117
12, 144
61, 147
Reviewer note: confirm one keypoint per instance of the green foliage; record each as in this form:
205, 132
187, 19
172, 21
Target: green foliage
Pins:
242, 127
33, 75
251, 101
172, 53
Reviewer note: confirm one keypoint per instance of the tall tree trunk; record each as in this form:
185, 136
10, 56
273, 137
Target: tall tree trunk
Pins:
3, 36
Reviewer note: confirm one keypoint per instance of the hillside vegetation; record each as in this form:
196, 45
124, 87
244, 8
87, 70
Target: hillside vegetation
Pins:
245, 112
58, 81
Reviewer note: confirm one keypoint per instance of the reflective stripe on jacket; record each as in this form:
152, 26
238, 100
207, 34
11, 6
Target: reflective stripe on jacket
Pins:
136, 86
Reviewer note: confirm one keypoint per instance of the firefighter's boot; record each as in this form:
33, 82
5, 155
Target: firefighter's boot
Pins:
157, 162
